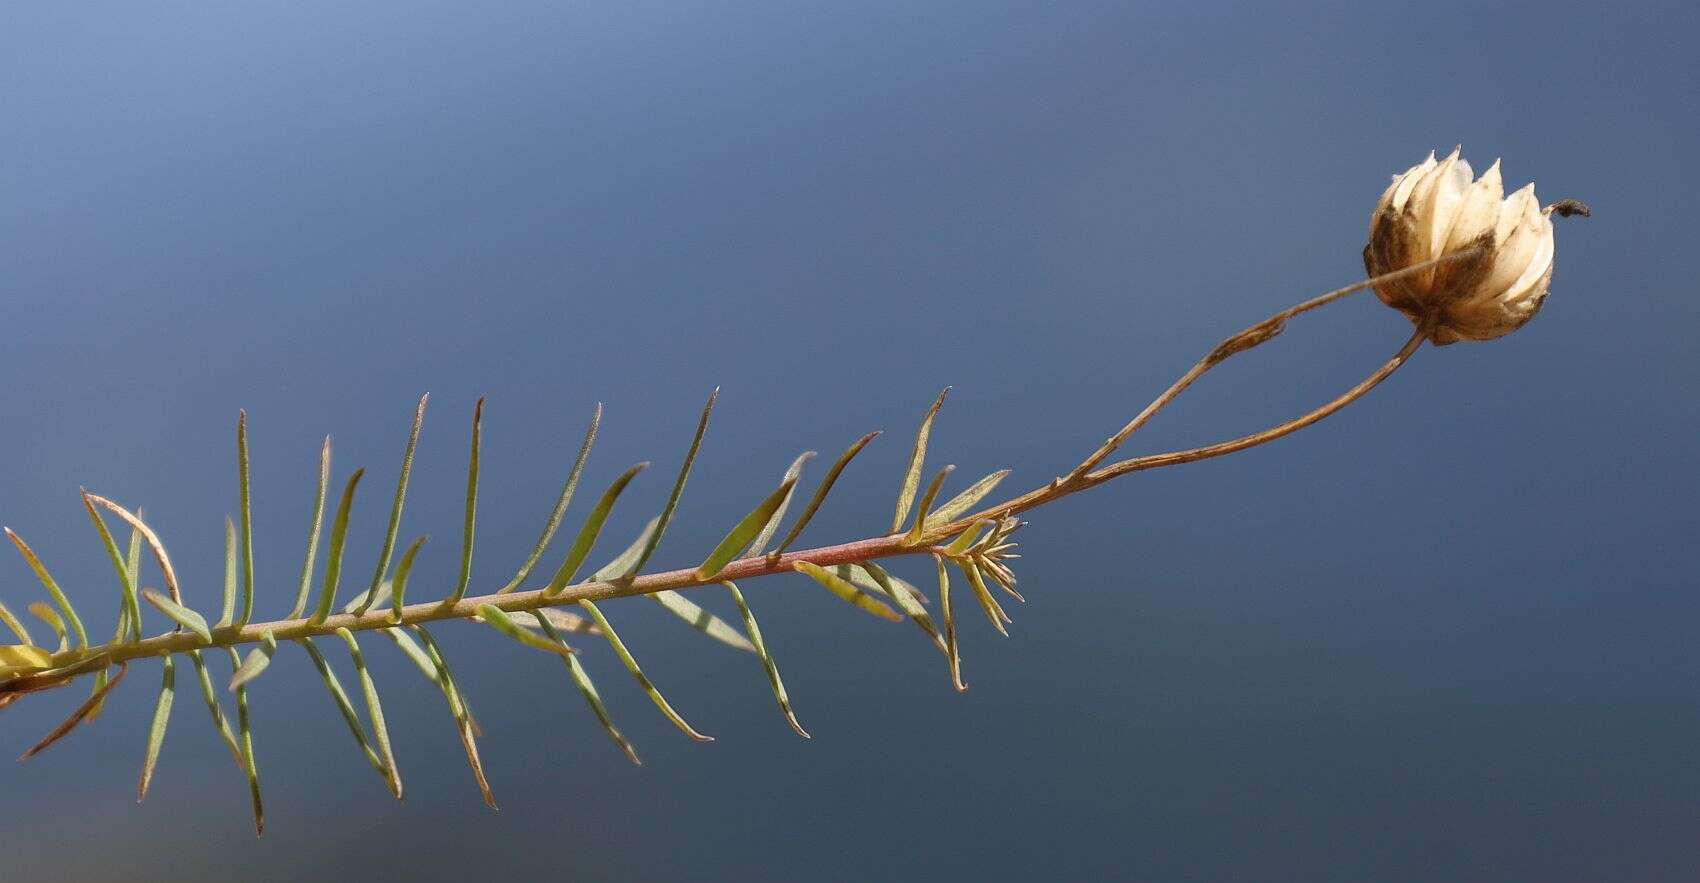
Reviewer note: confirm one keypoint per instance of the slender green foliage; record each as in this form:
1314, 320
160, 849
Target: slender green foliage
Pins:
333, 557
401, 496
561, 503
306, 583
244, 497
917, 458
470, 522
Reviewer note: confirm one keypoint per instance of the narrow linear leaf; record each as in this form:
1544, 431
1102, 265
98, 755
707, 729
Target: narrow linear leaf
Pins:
667, 511
126, 585
492, 616
12, 622
52, 587
965, 540
245, 739
821, 492
792, 474
258, 659
469, 527
179, 614
244, 498
210, 697
588, 689
333, 557
637, 673
905, 602
767, 662
914, 536
306, 584
339, 696
861, 580
166, 571
229, 611
411, 649
621, 566
561, 503
374, 710
949, 617
458, 708
846, 592
959, 505
917, 457
84, 712
988, 603
42, 611
588, 533
701, 620
400, 497
745, 531
571, 623
133, 570
398, 588
156, 730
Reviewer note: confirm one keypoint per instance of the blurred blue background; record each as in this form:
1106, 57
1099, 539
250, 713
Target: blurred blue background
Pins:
1447, 634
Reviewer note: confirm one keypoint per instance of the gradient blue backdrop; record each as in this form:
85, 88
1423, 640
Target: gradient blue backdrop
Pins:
1448, 634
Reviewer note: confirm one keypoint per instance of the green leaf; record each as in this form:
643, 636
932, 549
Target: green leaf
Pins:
701, 620
258, 659
402, 571
305, 586
156, 731
458, 708
244, 495
52, 587
339, 696
229, 574
821, 492
179, 614
48, 615
861, 580
210, 697
994, 611
965, 540
917, 457
133, 571
469, 527
588, 689
905, 601
561, 503
493, 616
333, 559
246, 741
772, 526
400, 498
588, 533
621, 566
745, 531
637, 673
961, 503
126, 585
767, 662
846, 592
667, 511
12, 622
949, 617
914, 537
374, 710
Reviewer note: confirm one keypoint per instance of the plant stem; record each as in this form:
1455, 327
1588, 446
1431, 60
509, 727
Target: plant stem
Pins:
1083, 477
